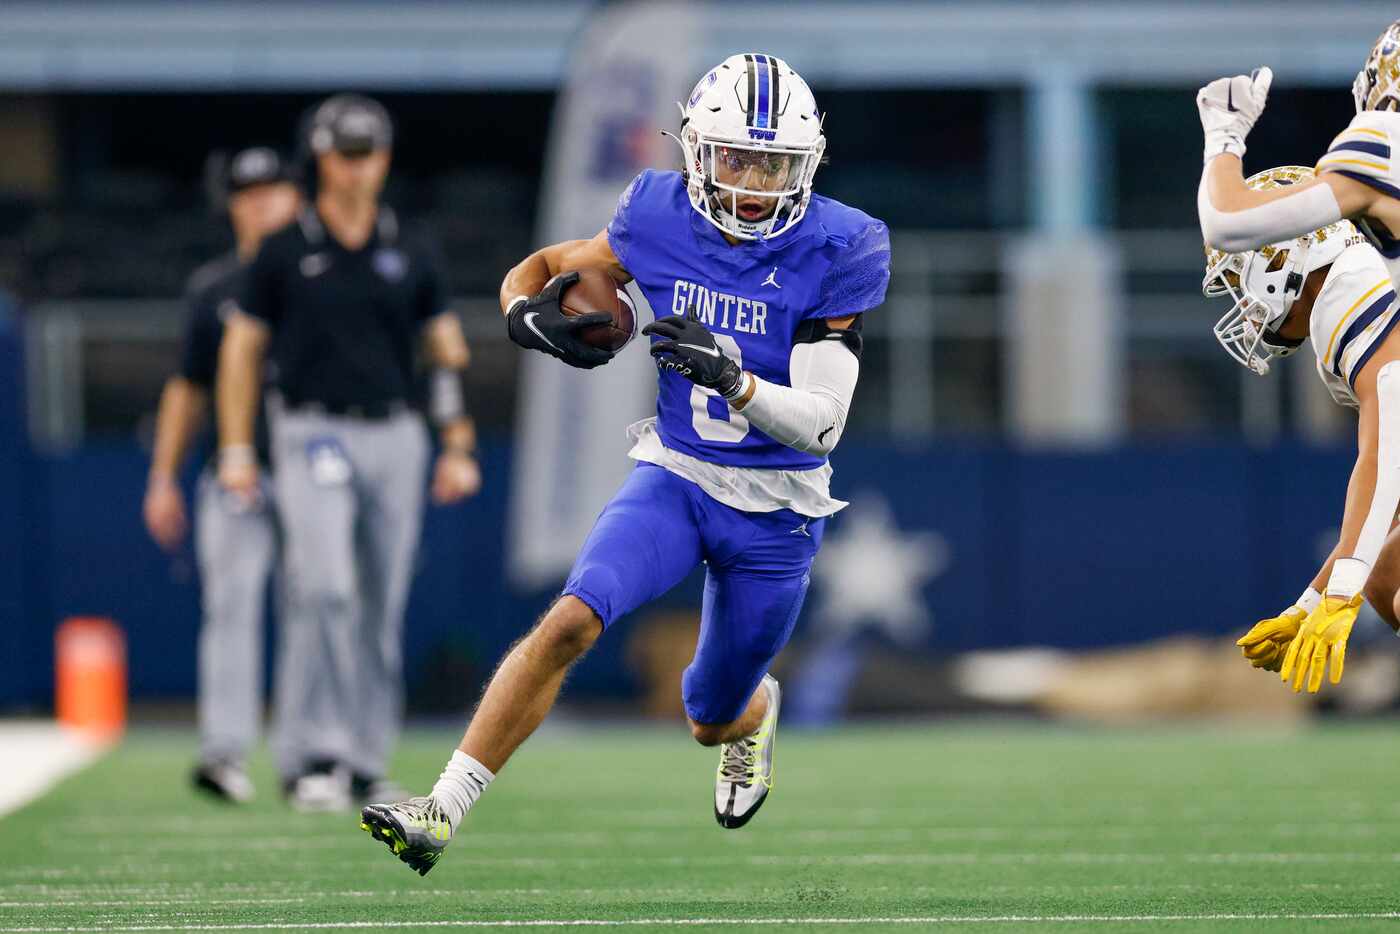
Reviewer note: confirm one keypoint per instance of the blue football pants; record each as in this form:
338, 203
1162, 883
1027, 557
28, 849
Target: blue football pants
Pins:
656, 529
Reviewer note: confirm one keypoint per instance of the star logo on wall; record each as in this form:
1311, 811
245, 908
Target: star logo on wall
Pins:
872, 574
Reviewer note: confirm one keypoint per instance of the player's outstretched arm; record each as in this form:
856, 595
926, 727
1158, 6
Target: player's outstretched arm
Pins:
1372, 497
179, 416
1234, 217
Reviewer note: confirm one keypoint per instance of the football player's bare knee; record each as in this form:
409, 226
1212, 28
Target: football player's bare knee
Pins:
570, 627
709, 734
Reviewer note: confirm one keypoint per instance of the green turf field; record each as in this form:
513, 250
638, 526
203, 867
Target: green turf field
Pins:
989, 826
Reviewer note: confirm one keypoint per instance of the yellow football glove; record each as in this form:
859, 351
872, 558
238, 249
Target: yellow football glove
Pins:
1323, 634
1267, 643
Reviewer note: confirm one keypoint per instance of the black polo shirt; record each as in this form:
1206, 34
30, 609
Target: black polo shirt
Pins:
345, 323
211, 295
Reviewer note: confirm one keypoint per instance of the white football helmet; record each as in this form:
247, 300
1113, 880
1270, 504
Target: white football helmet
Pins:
1265, 282
1377, 84
751, 130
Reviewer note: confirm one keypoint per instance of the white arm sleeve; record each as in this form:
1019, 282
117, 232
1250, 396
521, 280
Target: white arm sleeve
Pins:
811, 414
1291, 216
1349, 574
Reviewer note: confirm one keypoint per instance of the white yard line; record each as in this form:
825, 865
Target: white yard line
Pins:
38, 755
24, 875
746, 922
118, 826
688, 894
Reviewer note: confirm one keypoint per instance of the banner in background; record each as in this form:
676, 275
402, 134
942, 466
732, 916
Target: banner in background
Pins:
629, 68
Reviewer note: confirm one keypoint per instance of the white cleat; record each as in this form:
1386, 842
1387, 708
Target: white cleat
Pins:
321, 793
746, 767
225, 779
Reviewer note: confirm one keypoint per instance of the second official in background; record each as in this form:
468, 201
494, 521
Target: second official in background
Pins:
341, 299
236, 538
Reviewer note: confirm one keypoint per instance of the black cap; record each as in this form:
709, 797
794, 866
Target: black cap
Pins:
351, 125
256, 165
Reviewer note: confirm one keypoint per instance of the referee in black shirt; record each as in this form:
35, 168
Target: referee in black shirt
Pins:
235, 539
342, 298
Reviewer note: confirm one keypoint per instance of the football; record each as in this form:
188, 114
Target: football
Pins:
597, 291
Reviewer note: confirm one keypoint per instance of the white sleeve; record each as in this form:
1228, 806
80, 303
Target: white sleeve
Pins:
1349, 574
811, 414
1291, 216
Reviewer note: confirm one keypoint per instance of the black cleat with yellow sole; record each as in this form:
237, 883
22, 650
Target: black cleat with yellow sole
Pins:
415, 830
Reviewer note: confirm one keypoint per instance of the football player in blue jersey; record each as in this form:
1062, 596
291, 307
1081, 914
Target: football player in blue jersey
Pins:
765, 283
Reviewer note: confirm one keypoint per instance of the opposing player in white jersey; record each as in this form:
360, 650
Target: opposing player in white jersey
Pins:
1358, 178
1332, 286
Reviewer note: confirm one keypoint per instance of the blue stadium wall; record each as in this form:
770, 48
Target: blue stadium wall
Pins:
1072, 550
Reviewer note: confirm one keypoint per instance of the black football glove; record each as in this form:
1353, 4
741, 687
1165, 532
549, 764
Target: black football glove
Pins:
688, 348
540, 324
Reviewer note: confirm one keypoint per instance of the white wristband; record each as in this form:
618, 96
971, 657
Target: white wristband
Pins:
1308, 601
745, 381
1348, 577
1219, 142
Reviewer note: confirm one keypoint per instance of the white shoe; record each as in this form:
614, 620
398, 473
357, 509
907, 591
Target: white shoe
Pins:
224, 779
746, 767
370, 791
321, 792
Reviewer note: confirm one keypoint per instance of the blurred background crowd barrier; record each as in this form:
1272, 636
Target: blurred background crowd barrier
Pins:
1047, 448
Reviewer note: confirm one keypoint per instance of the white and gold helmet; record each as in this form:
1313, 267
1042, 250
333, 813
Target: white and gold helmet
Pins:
755, 116
1265, 282
1377, 84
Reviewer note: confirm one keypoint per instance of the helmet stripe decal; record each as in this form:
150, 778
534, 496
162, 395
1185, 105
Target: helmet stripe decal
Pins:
748, 110
763, 109
776, 99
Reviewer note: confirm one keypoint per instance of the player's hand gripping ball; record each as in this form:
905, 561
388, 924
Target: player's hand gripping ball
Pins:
1267, 642
1323, 635
580, 317
688, 348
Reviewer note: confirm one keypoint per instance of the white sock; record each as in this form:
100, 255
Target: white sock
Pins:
460, 784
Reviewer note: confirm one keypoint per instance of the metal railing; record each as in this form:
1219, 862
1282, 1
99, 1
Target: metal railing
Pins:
936, 343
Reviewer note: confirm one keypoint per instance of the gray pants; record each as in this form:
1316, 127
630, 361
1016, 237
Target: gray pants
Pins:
350, 493
236, 547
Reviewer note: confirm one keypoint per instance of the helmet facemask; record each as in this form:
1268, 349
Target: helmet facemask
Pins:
1263, 283
751, 132
721, 174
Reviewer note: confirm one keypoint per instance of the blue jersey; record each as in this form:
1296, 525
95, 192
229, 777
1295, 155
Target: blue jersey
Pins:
751, 295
